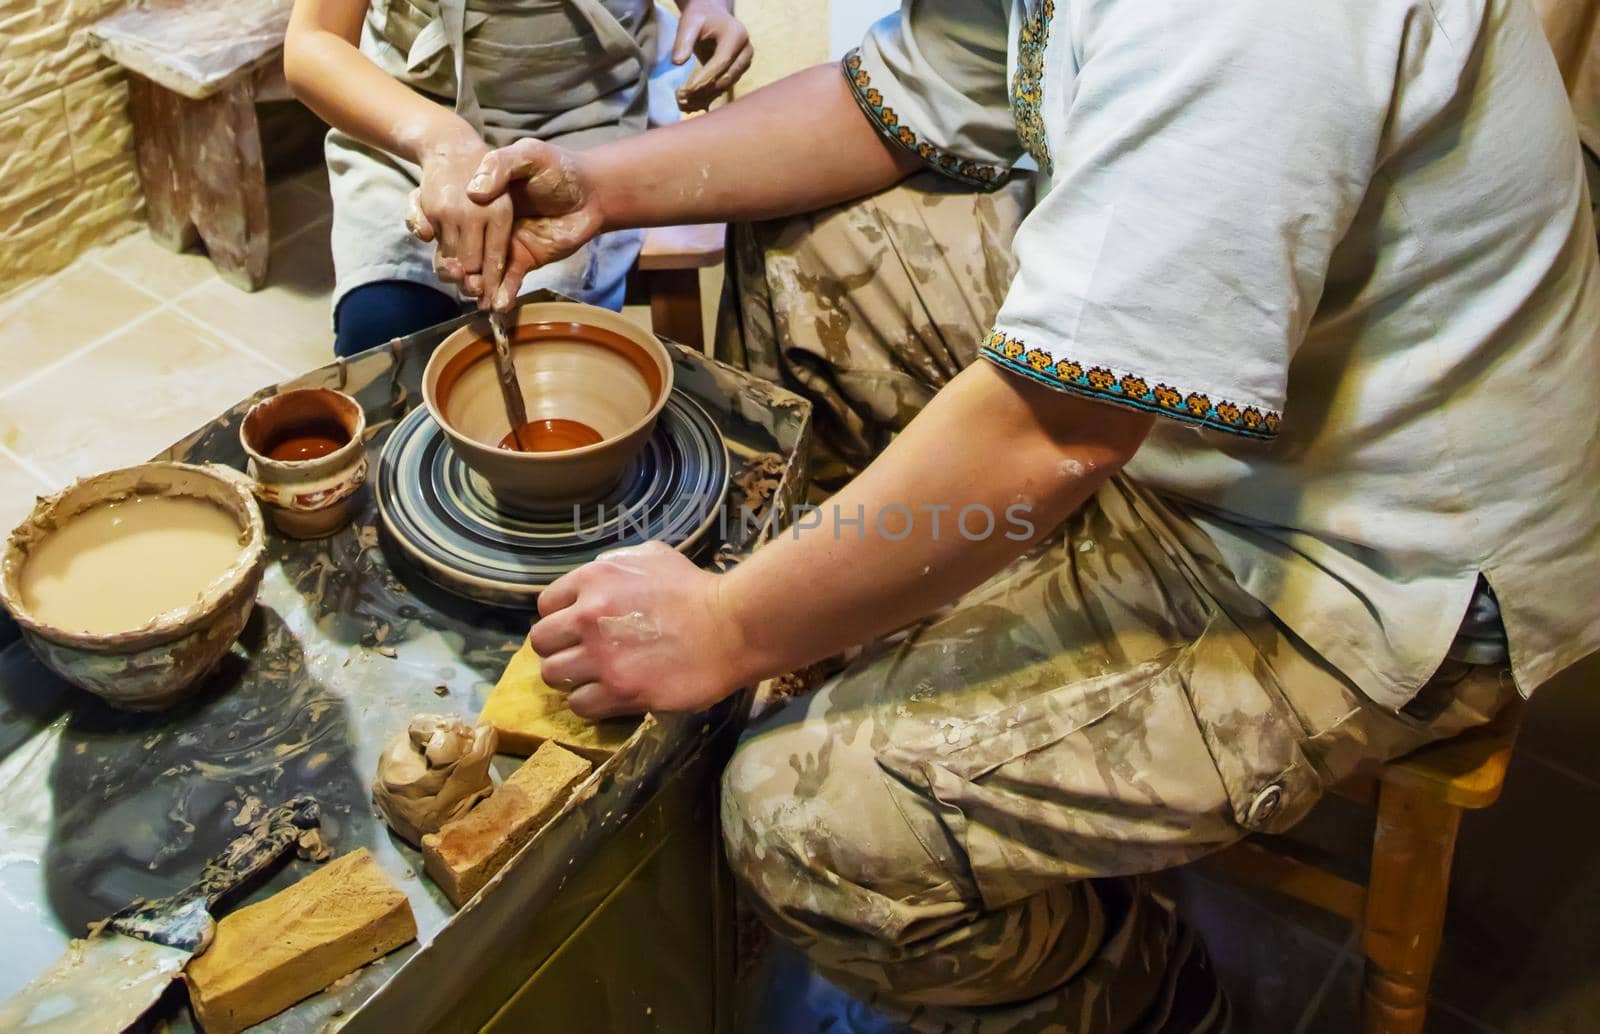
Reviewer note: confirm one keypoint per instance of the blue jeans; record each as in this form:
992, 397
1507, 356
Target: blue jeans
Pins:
373, 313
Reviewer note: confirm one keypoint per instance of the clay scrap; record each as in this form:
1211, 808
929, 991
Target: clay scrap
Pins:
466, 853
433, 773
525, 713
270, 955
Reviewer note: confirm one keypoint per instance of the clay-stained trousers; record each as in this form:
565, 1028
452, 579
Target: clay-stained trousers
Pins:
953, 827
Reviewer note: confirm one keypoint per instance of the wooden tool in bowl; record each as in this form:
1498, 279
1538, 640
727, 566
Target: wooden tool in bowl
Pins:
501, 325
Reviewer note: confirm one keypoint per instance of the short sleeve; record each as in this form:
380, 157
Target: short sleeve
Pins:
932, 78
1208, 159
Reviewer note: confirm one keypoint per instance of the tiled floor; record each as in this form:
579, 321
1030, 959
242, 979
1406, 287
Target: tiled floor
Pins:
131, 347
107, 362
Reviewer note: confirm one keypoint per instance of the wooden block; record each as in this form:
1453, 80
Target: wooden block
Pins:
526, 713
466, 853
268, 956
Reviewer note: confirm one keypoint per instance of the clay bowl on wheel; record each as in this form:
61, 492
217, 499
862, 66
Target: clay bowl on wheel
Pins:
593, 384
153, 661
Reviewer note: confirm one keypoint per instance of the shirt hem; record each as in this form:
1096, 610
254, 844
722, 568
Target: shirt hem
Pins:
978, 174
1130, 390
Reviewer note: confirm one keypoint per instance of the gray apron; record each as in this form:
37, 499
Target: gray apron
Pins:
573, 72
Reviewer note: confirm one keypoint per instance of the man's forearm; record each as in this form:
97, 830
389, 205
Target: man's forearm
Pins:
795, 146
992, 465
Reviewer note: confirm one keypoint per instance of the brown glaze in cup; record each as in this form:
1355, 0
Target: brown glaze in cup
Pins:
307, 458
578, 365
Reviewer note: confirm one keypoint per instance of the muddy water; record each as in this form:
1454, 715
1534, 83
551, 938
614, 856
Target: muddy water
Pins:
115, 566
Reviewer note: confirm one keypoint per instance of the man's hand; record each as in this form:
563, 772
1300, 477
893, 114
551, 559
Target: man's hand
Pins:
557, 211
640, 629
471, 239
709, 31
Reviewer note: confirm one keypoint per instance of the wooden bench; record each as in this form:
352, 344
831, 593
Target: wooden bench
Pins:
1400, 911
195, 72
668, 271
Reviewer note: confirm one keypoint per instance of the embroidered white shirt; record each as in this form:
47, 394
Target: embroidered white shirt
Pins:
1345, 247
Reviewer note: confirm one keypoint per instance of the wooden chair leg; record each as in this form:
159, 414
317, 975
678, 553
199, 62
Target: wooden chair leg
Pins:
1411, 858
201, 171
675, 305
156, 113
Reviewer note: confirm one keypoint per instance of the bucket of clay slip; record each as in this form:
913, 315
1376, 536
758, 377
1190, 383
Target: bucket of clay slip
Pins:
307, 457
155, 662
593, 384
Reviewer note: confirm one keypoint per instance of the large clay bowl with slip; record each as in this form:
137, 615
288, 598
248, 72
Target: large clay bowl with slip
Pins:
593, 384
161, 601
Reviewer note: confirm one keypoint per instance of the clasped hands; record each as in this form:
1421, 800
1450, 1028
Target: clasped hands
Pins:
494, 215
522, 207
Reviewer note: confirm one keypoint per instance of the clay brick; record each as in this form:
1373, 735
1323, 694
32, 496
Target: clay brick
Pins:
467, 853
97, 118
270, 955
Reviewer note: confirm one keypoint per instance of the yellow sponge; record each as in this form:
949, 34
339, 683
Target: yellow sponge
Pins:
526, 712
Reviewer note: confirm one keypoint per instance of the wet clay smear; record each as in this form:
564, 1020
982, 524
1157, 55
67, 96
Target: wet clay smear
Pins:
116, 566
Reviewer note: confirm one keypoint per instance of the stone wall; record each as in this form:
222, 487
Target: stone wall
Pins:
788, 34
67, 178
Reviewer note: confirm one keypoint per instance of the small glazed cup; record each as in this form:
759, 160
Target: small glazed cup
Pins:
306, 499
155, 666
575, 363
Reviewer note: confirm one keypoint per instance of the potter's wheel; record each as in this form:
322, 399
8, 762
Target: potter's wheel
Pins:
445, 519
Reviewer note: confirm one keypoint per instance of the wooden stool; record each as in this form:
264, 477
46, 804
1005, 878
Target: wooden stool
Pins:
195, 71
1400, 910
669, 272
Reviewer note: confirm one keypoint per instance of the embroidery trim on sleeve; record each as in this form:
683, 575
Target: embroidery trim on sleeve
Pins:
1027, 85
871, 100
1128, 389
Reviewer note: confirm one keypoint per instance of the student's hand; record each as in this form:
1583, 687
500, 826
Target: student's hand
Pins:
640, 629
471, 239
708, 30
556, 208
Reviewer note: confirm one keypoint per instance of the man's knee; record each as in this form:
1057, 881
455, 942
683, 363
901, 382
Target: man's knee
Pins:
764, 831
814, 833
864, 899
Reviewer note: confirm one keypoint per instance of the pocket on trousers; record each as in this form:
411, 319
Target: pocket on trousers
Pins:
1130, 772
1251, 730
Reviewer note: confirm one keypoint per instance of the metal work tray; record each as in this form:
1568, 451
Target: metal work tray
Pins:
98, 807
